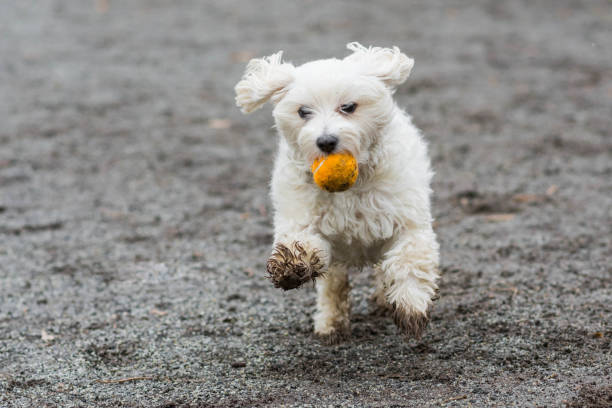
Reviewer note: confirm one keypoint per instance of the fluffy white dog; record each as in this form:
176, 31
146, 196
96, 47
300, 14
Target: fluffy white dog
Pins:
384, 219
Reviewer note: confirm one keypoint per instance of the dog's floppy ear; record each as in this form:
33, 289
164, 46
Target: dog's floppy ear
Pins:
390, 65
263, 79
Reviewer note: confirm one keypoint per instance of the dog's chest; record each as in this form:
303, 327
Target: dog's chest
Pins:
361, 220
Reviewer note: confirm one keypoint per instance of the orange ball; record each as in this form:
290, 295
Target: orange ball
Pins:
335, 172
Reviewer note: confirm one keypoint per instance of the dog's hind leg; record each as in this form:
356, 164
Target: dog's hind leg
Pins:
379, 298
332, 319
410, 272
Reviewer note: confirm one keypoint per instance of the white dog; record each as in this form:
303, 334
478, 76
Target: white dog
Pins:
384, 219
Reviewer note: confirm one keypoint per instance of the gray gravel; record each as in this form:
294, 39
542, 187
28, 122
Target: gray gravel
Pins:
135, 220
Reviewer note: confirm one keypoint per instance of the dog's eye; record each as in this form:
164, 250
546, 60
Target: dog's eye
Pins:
304, 112
348, 107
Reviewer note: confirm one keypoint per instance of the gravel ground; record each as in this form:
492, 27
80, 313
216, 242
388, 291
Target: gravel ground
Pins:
135, 219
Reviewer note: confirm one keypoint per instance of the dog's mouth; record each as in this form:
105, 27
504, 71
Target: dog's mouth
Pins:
307, 149
335, 172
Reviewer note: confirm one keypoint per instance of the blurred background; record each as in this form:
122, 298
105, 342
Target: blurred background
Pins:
135, 220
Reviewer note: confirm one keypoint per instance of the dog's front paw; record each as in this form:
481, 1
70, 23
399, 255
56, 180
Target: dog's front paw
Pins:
410, 322
289, 268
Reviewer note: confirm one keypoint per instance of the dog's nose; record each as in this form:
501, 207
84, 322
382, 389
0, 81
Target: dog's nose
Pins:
327, 143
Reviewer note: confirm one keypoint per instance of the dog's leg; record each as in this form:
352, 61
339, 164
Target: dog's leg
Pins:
331, 321
379, 297
410, 272
297, 258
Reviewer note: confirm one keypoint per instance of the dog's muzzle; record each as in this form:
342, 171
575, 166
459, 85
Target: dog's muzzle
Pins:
327, 143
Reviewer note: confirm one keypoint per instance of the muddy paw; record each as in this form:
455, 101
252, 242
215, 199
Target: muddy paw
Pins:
334, 337
289, 268
410, 323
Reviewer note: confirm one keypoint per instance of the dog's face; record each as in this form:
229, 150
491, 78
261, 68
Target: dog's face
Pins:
331, 105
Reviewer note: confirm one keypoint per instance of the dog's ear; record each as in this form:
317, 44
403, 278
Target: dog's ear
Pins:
390, 65
263, 79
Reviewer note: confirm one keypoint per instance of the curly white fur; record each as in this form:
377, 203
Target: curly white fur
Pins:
385, 218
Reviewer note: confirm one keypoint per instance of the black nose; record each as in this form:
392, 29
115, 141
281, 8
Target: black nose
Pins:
327, 143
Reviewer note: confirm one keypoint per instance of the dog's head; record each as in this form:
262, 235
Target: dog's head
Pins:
329, 105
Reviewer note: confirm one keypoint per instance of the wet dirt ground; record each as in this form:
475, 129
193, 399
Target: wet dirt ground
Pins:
135, 220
